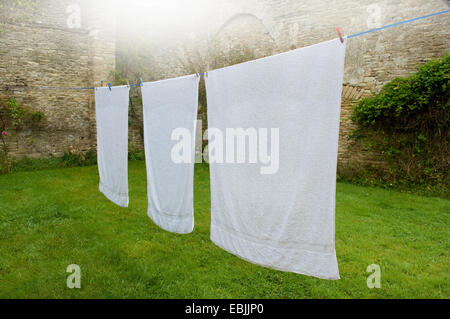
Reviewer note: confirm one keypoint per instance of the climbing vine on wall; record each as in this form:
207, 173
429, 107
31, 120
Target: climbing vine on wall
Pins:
13, 119
408, 123
12, 9
15, 11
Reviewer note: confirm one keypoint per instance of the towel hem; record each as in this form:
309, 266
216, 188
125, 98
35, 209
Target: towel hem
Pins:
183, 224
298, 261
121, 200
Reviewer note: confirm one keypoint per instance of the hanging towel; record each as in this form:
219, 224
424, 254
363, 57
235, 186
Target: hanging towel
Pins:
170, 114
278, 211
112, 142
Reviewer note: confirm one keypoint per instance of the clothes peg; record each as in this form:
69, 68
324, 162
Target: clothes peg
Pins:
128, 83
339, 31
141, 83
109, 85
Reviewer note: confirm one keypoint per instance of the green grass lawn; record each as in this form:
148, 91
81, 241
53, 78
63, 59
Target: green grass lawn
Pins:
51, 219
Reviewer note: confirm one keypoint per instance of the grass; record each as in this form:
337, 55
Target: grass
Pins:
53, 218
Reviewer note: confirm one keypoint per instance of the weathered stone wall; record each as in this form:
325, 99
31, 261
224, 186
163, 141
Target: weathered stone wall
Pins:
37, 48
44, 45
235, 31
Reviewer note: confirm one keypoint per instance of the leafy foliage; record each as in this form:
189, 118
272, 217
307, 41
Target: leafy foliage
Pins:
70, 158
408, 123
14, 117
411, 103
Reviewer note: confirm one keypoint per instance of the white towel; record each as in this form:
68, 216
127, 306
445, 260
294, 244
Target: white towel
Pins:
170, 114
112, 142
279, 217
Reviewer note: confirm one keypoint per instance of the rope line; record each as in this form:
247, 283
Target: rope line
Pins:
397, 24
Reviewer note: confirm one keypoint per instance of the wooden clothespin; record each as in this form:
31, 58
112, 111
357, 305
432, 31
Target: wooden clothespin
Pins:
339, 31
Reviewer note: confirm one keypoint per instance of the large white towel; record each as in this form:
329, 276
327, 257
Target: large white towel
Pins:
170, 114
279, 216
112, 142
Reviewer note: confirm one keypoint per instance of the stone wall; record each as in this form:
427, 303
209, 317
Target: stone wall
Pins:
235, 31
50, 44
38, 49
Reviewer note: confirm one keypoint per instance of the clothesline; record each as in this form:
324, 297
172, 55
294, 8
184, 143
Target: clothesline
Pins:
270, 210
203, 73
397, 24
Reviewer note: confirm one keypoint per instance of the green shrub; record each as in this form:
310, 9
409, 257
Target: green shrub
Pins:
408, 123
412, 104
135, 154
69, 159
